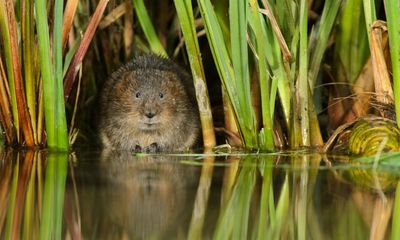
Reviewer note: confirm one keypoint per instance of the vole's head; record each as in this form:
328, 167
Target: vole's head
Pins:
153, 98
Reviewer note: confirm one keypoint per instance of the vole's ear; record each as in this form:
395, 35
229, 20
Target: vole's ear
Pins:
170, 79
126, 78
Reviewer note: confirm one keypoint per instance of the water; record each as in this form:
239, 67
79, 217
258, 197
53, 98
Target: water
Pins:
116, 195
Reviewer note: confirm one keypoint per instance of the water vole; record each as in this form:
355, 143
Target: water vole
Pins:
149, 105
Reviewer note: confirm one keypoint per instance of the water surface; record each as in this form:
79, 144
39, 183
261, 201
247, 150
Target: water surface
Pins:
119, 195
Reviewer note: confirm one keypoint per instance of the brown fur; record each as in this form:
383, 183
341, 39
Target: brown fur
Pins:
159, 88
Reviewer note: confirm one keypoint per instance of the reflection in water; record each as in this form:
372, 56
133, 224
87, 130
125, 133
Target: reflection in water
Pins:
148, 197
115, 195
32, 194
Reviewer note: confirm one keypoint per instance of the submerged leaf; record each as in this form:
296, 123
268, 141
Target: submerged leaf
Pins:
368, 136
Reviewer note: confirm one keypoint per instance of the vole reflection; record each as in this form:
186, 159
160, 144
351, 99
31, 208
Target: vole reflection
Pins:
136, 197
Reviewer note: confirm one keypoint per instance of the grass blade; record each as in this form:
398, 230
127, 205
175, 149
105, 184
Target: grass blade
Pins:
52, 104
240, 63
266, 134
46, 70
4, 26
53, 196
383, 86
302, 80
23, 114
5, 181
69, 14
266, 191
185, 14
277, 31
274, 47
6, 114
29, 208
396, 215
226, 72
28, 49
351, 47
370, 16
392, 8
9, 234
148, 29
331, 9
282, 210
60, 118
233, 221
201, 200
75, 65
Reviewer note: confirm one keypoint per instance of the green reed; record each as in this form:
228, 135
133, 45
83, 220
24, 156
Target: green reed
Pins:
148, 29
270, 57
35, 207
32, 85
232, 65
56, 126
28, 47
392, 9
351, 46
234, 217
237, 219
396, 214
186, 19
8, 230
53, 196
6, 39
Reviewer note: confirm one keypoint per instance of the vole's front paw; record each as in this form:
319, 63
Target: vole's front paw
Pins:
137, 149
153, 148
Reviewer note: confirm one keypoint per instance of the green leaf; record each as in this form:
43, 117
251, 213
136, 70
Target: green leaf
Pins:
147, 27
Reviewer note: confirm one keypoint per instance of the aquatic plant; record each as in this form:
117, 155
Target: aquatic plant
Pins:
33, 194
271, 58
32, 70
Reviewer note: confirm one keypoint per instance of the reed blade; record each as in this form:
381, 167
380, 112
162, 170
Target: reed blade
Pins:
351, 46
10, 226
29, 61
233, 87
76, 63
23, 114
69, 14
370, 16
266, 192
238, 35
233, 220
4, 25
60, 118
276, 63
302, 94
219, 51
53, 196
329, 13
53, 105
392, 8
6, 114
148, 28
186, 19
266, 134
396, 215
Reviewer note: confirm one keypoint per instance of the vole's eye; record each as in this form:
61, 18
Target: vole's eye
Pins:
138, 95
161, 95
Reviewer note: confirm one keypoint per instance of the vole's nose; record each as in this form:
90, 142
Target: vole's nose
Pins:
150, 113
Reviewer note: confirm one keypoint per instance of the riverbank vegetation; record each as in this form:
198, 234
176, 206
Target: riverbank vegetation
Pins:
268, 74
